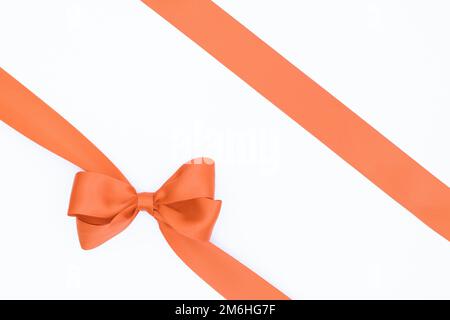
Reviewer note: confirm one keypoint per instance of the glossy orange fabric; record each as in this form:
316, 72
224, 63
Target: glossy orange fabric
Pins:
104, 202
104, 206
316, 110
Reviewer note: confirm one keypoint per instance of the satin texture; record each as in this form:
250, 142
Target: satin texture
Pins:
312, 107
104, 206
105, 203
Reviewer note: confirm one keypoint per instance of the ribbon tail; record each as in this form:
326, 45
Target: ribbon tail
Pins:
222, 272
23, 111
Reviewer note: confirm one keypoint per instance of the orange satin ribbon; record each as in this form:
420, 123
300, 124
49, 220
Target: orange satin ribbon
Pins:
104, 206
104, 202
316, 110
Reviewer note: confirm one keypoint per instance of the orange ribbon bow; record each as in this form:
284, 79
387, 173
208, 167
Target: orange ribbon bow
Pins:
105, 203
104, 206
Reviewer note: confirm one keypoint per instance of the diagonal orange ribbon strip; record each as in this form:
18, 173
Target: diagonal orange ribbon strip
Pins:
105, 203
316, 110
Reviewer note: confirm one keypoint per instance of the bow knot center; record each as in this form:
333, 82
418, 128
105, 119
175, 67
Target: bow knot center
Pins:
145, 202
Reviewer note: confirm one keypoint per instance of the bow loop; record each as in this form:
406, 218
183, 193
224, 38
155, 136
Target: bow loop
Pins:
194, 179
99, 196
104, 206
194, 218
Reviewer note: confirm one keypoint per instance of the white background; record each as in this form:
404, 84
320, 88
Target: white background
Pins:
151, 99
